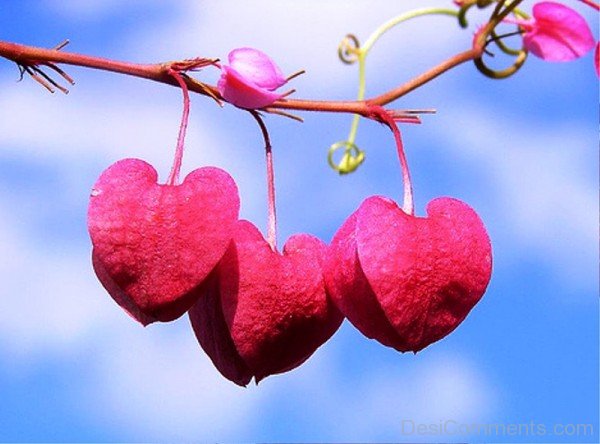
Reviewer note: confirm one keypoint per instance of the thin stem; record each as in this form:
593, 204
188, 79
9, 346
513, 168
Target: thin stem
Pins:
363, 51
402, 18
497, 39
272, 218
499, 16
362, 86
176, 169
353, 128
592, 4
383, 116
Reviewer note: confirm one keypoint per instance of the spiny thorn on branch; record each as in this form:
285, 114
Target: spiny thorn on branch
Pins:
296, 74
36, 73
32, 68
62, 45
398, 115
284, 114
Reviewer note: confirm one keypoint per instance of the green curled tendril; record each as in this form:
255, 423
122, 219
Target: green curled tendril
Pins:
351, 159
519, 54
350, 51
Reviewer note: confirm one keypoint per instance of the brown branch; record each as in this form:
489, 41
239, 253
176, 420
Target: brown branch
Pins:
31, 55
25, 55
426, 77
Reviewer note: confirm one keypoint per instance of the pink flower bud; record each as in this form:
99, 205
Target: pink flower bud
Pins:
556, 33
250, 79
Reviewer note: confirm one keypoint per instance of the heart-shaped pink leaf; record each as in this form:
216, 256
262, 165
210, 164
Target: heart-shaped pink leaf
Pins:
268, 312
409, 281
155, 244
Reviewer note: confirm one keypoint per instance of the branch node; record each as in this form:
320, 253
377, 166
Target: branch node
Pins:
194, 64
34, 69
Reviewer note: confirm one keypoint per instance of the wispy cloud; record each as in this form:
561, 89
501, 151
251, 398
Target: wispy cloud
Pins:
545, 187
156, 382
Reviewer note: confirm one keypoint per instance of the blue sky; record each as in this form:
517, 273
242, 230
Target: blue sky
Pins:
523, 152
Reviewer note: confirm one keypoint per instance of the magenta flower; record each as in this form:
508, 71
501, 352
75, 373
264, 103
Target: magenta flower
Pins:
556, 33
250, 79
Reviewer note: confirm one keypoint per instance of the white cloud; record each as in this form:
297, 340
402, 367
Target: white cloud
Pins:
446, 388
380, 401
89, 10
157, 384
50, 300
545, 180
96, 127
153, 382
87, 123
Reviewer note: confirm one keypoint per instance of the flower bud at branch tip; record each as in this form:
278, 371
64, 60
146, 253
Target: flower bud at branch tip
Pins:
250, 79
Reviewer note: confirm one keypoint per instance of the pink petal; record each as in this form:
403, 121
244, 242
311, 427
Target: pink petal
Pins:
350, 289
238, 91
427, 272
155, 244
266, 312
408, 281
257, 67
208, 323
559, 34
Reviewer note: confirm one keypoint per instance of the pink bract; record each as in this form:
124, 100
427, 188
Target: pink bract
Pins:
250, 79
556, 33
264, 312
257, 67
155, 244
408, 281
